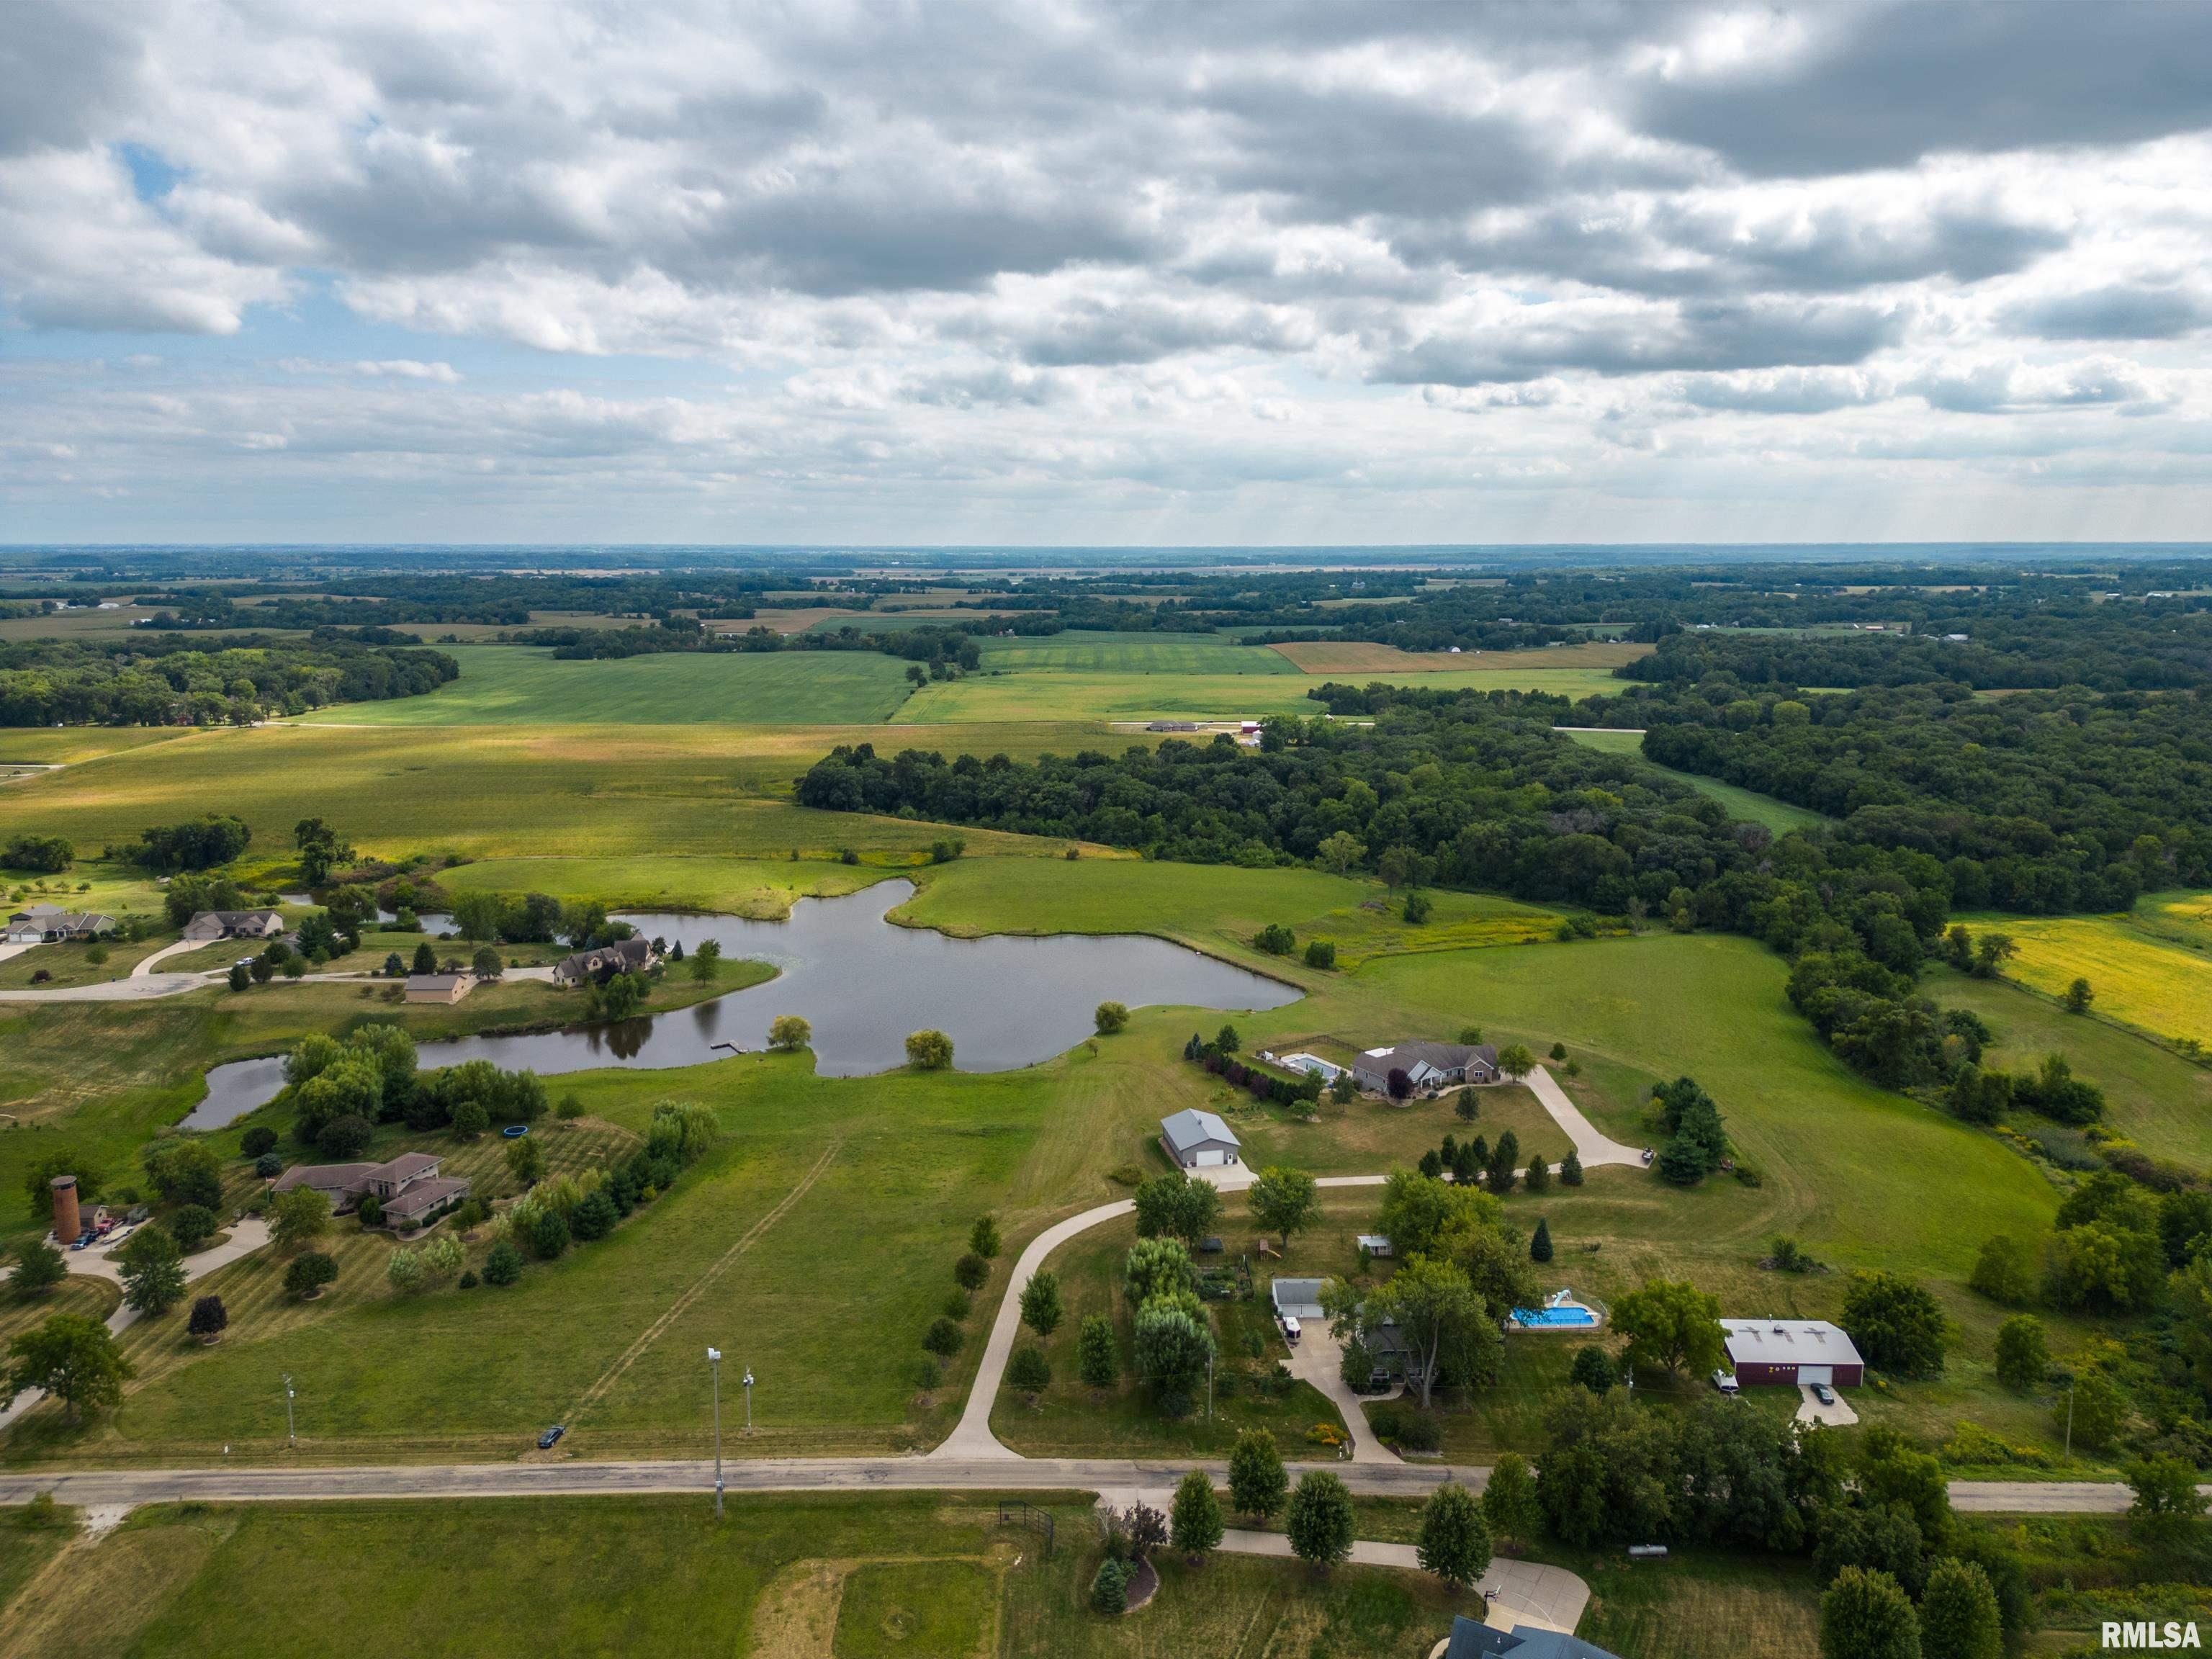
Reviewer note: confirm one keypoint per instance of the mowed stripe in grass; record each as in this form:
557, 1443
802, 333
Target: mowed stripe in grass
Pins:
503, 686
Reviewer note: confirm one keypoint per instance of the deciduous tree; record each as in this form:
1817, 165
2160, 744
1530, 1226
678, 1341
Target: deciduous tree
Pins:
1257, 1483
1454, 1538
153, 1270
1320, 1521
1194, 1517
74, 1359
1865, 1615
1670, 1324
1284, 1200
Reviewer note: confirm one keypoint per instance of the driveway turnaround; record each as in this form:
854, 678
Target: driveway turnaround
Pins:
1593, 1148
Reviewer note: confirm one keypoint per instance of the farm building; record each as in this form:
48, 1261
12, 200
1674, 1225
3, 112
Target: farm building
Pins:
1426, 1065
209, 925
1791, 1351
439, 988
1199, 1141
623, 957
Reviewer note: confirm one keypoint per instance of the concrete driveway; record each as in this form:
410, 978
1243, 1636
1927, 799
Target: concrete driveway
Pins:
1810, 1410
1319, 1359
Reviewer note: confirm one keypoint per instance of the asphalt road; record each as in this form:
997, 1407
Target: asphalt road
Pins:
108, 1487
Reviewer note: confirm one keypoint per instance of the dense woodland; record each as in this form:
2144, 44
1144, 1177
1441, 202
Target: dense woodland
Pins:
167, 682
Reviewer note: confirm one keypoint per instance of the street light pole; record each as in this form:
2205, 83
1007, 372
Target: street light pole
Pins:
749, 1400
714, 1364
291, 1436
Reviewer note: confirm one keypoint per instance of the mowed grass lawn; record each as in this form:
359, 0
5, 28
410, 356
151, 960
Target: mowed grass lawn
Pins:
506, 684
1054, 695
1779, 816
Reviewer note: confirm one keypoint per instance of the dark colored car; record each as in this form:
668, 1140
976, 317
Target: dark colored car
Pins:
545, 1440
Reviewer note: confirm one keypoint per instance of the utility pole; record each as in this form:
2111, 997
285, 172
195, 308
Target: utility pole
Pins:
2070, 1419
749, 1400
1209, 1388
714, 1364
291, 1436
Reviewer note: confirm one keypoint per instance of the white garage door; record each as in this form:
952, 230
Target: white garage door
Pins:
1816, 1373
1209, 1155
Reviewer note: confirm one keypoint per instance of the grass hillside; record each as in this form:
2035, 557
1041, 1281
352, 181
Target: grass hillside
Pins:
1778, 816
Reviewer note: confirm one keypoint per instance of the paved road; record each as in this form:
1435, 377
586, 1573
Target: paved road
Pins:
290, 1482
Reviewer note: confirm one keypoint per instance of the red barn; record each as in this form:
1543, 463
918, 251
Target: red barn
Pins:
1791, 1351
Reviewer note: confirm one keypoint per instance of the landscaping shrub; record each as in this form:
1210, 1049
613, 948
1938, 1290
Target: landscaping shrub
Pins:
1110, 1590
1321, 953
309, 1274
504, 1265
257, 1140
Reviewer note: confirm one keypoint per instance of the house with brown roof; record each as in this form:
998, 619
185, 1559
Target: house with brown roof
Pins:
406, 1188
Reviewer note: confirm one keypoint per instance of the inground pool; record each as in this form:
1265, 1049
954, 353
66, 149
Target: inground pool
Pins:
1537, 1319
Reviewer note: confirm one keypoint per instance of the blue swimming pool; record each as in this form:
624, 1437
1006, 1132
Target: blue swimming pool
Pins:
1546, 1318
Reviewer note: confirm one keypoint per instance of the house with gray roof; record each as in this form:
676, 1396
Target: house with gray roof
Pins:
1199, 1141
211, 924
1426, 1065
1472, 1639
42, 924
406, 1188
627, 956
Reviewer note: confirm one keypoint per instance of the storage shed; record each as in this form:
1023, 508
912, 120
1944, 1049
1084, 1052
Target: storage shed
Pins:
1199, 1141
1789, 1351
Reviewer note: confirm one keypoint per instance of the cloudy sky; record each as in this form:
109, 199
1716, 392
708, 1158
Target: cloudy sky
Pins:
1043, 271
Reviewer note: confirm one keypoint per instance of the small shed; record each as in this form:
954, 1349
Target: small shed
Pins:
439, 988
1199, 1141
1372, 1244
1790, 1352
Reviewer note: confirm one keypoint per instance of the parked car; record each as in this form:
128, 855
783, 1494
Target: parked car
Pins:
1291, 1329
1824, 1394
1724, 1380
545, 1440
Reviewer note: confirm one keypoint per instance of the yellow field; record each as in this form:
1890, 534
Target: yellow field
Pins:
1365, 657
2149, 983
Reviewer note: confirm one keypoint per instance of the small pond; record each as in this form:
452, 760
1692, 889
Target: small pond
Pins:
863, 984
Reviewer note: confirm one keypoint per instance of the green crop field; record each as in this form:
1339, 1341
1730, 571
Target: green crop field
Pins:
489, 792
1779, 816
1069, 696
1084, 652
507, 685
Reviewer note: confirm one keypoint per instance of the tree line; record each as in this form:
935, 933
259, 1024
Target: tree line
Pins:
150, 682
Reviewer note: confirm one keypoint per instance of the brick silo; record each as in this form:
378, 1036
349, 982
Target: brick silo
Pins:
67, 1223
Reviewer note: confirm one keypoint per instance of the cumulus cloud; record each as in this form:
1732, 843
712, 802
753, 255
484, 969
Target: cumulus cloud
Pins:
1141, 252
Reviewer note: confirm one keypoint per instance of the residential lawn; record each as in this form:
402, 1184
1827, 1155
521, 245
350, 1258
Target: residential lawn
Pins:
2153, 1096
490, 792
80, 1293
1072, 1419
2155, 984
25, 1547
891, 1609
1019, 695
1081, 651
1701, 1604
104, 1078
506, 684
1779, 816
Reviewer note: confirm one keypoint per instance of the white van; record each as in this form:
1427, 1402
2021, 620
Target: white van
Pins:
1725, 1381
1291, 1330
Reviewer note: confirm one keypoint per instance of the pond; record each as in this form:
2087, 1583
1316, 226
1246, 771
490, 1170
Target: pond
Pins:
862, 983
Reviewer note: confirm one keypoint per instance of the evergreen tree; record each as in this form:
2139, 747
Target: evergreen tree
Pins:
1539, 1178
1570, 1169
1503, 1158
1539, 1247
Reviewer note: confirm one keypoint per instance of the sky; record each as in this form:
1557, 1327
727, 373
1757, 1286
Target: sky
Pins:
1041, 273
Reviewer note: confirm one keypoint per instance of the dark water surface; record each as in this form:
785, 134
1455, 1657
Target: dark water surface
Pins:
863, 984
